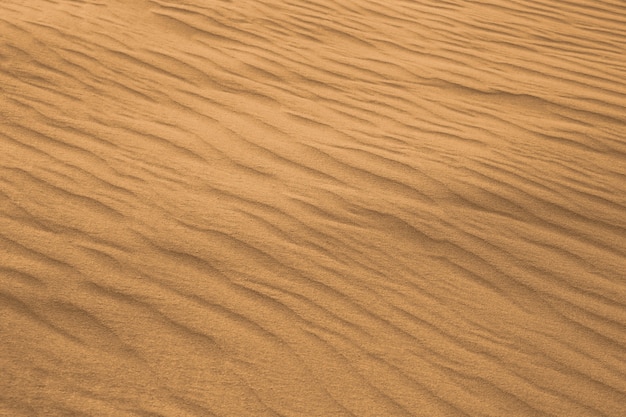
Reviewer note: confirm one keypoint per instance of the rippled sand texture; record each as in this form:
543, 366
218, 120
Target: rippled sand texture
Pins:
312, 208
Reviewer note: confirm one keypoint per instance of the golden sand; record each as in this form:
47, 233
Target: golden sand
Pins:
312, 208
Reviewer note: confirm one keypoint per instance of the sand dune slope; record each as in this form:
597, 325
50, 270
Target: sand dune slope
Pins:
312, 208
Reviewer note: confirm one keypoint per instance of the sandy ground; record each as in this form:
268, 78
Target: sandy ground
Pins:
290, 208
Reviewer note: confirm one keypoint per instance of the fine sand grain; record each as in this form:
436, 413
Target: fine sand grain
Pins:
294, 208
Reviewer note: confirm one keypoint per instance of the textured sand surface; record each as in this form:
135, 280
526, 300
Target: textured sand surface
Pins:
312, 208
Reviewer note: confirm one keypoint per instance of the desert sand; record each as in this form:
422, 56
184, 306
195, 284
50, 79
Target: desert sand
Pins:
312, 208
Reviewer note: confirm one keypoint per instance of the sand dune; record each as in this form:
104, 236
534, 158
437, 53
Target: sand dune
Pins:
312, 208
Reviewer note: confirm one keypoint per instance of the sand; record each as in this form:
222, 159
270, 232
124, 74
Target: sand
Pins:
312, 208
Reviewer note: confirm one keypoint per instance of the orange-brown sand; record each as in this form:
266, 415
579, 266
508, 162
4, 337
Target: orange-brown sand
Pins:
290, 208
